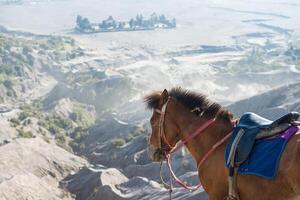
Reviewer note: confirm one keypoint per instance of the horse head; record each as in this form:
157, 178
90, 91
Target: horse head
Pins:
165, 131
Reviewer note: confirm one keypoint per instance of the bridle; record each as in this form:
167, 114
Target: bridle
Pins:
161, 132
167, 155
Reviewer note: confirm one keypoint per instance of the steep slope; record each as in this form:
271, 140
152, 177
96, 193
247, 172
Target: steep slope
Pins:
28, 64
272, 104
109, 183
32, 169
31, 162
91, 101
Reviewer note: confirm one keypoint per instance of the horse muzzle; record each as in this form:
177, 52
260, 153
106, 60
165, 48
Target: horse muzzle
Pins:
156, 154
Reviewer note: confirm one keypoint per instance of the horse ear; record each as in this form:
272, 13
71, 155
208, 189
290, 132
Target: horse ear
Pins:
164, 97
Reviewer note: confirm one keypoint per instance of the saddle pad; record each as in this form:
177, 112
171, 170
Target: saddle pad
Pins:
251, 123
265, 156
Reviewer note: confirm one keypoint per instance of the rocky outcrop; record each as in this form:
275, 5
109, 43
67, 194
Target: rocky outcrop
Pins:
32, 169
88, 181
109, 183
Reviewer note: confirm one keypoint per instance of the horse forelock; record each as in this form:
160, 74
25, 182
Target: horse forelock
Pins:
152, 100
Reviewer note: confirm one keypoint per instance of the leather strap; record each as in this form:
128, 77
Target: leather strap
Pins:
195, 133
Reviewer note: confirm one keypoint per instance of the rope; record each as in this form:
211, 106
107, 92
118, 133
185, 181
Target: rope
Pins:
171, 186
166, 185
195, 133
201, 161
182, 184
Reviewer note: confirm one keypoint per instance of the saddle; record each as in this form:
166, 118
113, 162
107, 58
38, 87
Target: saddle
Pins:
251, 127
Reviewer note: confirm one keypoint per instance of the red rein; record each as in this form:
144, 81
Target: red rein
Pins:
197, 132
200, 161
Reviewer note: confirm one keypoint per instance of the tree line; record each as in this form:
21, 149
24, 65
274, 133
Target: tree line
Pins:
138, 23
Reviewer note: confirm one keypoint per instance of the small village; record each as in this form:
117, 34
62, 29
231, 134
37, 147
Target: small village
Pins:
139, 23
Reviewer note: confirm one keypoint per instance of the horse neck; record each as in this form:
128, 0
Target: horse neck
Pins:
201, 144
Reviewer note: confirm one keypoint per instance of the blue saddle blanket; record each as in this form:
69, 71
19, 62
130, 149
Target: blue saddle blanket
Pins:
265, 156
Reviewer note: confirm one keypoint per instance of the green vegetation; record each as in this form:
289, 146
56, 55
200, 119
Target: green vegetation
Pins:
60, 138
24, 134
23, 116
118, 142
14, 122
59, 127
46, 139
78, 136
83, 25
82, 116
26, 122
55, 124
22, 57
67, 131
138, 131
43, 133
16, 54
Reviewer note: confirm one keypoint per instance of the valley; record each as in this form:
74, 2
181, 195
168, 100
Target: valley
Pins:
73, 121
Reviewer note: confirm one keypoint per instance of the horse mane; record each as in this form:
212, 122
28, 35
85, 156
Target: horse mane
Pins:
197, 103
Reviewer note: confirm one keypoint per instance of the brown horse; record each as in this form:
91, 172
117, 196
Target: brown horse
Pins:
185, 110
